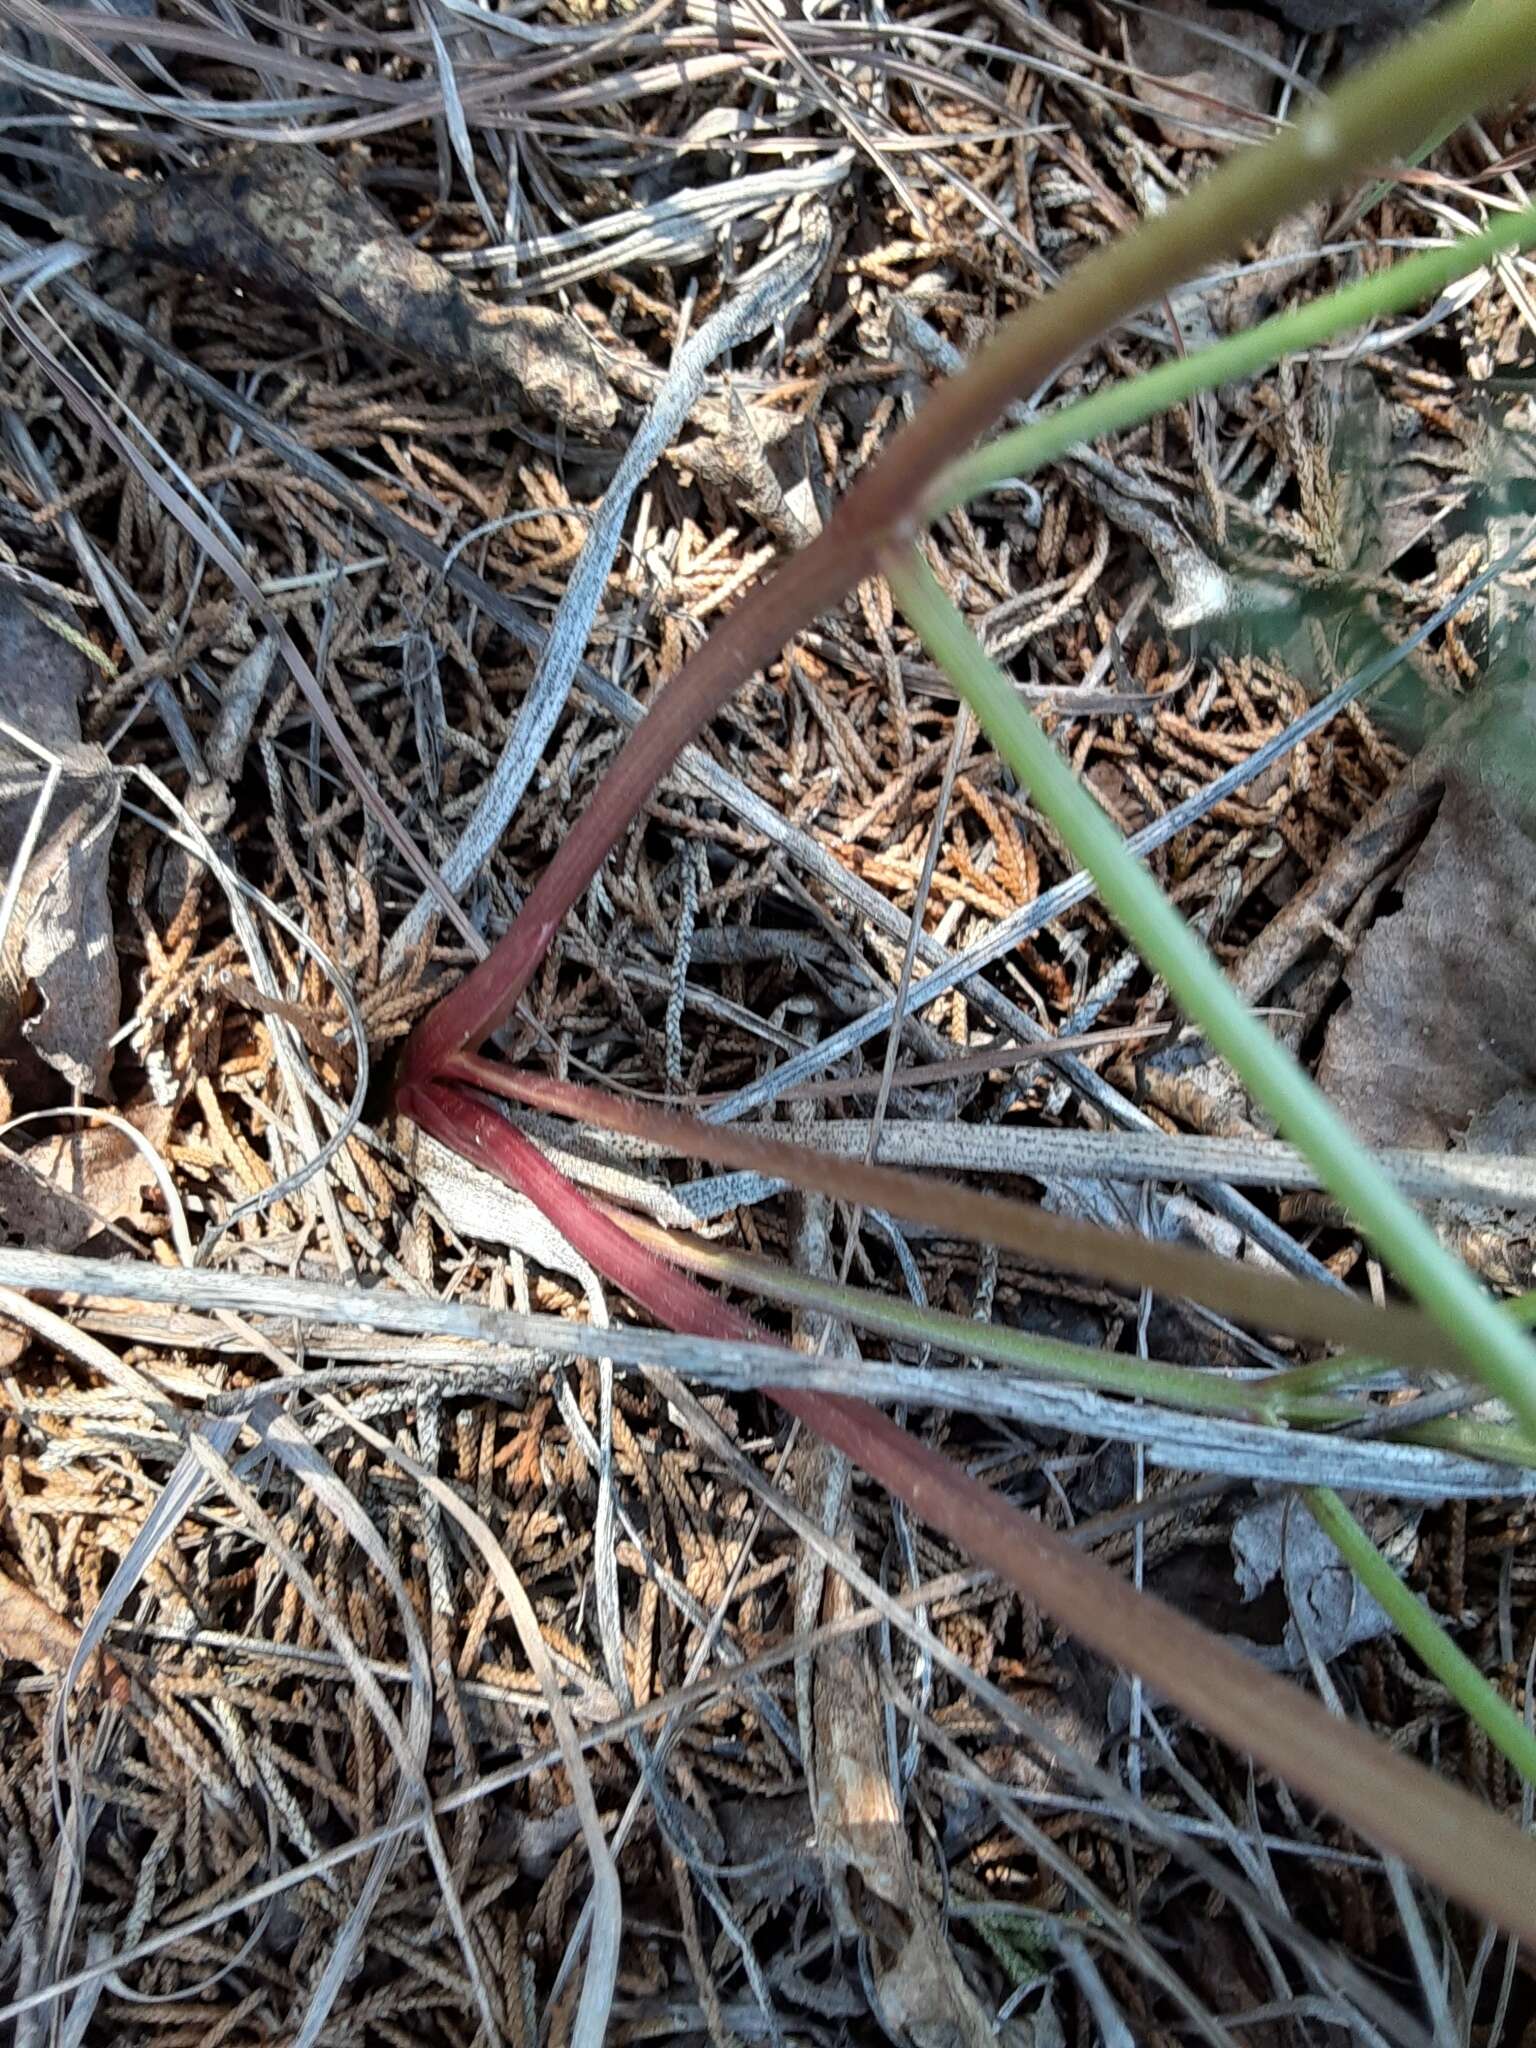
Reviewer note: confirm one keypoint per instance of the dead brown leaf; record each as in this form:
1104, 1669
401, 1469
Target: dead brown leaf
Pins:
32, 1633
68, 1187
1370, 17
1498, 1245
33, 1212
279, 221
1282, 258
1186, 77
1442, 992
59, 990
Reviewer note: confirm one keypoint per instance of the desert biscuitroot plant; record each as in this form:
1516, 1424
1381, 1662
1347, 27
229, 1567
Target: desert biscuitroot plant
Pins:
1475, 58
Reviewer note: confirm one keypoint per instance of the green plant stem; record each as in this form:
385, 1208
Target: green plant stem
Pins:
1474, 1439
1422, 1631
1496, 1350
1271, 1400
1127, 404
1147, 1379
1348, 1368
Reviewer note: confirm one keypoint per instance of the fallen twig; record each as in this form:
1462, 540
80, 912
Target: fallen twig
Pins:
280, 221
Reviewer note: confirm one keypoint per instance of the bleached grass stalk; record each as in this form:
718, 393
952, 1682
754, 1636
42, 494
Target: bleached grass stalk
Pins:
773, 293
1403, 1808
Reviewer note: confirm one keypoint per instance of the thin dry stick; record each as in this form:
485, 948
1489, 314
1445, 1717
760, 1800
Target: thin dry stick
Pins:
508, 1347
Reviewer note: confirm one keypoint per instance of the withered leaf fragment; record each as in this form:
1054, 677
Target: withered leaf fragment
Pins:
32, 1633
1442, 991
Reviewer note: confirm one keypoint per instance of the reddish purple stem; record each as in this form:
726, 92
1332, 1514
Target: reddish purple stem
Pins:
1453, 1840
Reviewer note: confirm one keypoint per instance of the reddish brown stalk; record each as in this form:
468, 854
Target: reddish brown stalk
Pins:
1455, 1841
744, 641
1387, 109
1324, 1314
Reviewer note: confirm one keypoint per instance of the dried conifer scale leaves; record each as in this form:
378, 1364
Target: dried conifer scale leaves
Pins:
253, 1729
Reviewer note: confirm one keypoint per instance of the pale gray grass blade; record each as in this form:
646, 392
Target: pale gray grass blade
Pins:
679, 229
652, 1758
153, 1397
953, 971
292, 1057
181, 1235
1501, 2010
1108, 2018
1250, 1849
700, 1692
767, 297
82, 2010
1180, 1440
89, 557
842, 106
1432, 1987
453, 115
959, 739
1041, 1154
36, 270
1119, 1926
186, 1485
53, 769
709, 1624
